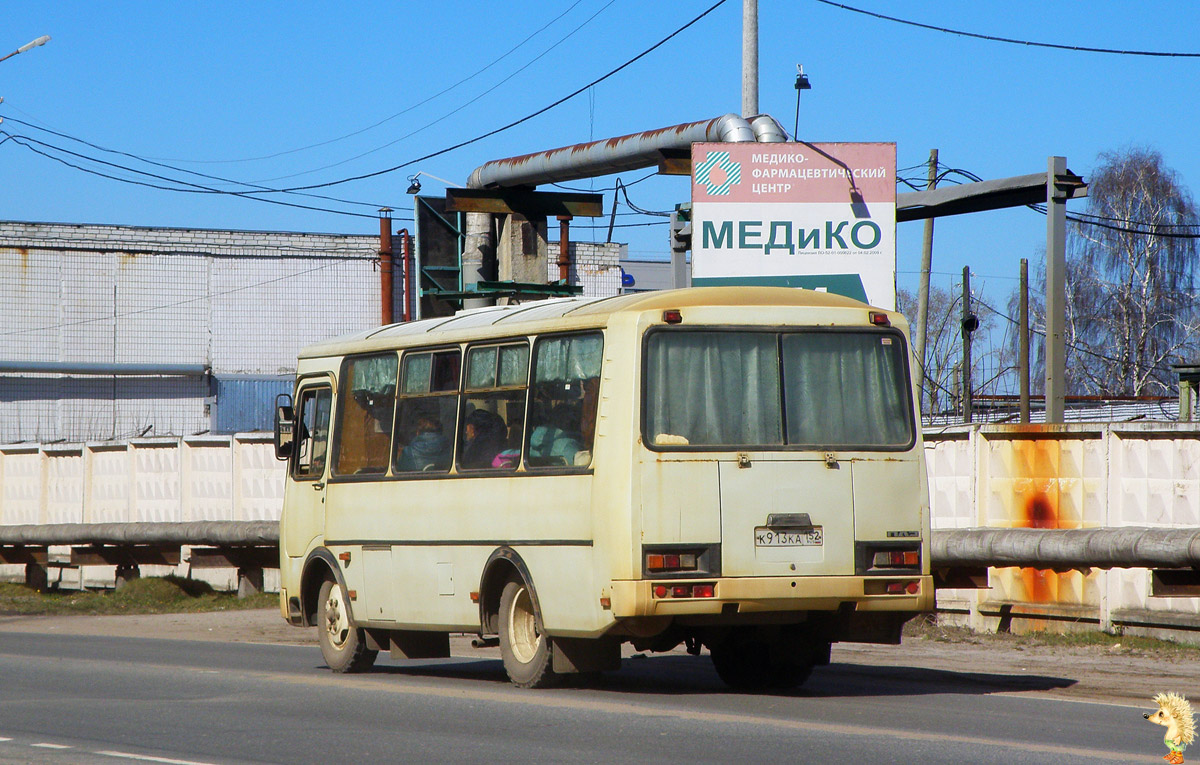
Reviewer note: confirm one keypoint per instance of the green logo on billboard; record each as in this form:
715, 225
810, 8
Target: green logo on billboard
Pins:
729, 175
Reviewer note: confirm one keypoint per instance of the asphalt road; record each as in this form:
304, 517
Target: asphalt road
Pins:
110, 699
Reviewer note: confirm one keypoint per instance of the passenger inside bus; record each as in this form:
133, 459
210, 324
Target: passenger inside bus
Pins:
429, 448
483, 439
557, 440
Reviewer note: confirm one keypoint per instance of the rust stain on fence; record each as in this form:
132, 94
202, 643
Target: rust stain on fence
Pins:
1036, 470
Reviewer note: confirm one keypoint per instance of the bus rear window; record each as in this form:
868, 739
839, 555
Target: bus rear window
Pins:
746, 389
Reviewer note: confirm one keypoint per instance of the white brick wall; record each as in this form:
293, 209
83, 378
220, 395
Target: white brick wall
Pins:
595, 266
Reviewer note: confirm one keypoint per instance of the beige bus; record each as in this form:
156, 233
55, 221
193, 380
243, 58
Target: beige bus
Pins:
736, 469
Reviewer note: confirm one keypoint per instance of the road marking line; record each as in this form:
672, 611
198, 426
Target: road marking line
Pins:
2, 738
46, 745
148, 758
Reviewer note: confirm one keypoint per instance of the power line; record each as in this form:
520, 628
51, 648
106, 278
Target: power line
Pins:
254, 187
1079, 348
514, 123
994, 38
400, 113
452, 112
1144, 228
176, 304
646, 177
23, 141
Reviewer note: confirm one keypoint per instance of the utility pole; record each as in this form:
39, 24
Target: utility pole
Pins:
926, 264
969, 324
1023, 352
1056, 292
749, 58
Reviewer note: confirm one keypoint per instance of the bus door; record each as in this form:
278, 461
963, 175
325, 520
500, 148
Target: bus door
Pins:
304, 495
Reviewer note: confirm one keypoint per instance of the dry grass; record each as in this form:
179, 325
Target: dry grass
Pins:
927, 627
151, 595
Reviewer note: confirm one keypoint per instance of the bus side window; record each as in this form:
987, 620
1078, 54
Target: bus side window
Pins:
494, 407
365, 414
426, 412
312, 436
562, 409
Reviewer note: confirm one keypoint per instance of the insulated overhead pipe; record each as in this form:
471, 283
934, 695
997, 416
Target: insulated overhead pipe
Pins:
185, 533
768, 130
1121, 547
613, 155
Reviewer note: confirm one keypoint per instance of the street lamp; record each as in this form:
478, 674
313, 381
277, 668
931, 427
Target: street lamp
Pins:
27, 46
802, 83
414, 183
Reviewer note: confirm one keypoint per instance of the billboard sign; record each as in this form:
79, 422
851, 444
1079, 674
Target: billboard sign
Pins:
814, 215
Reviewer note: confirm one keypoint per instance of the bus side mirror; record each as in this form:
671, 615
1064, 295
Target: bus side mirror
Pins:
285, 426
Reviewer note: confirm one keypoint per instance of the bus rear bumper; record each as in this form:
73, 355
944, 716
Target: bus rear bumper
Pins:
748, 595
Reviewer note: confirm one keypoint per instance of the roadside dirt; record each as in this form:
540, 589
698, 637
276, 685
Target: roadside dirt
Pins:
1110, 673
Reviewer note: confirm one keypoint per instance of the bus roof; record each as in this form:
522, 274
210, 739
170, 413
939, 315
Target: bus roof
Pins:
520, 318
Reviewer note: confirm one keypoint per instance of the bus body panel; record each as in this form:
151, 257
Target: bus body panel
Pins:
887, 498
680, 500
756, 489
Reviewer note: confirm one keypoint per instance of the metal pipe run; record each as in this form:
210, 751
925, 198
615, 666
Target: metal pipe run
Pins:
187, 533
385, 266
564, 248
1125, 547
768, 130
407, 266
98, 368
613, 155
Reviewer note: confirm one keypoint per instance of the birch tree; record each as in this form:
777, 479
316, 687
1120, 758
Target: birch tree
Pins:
1132, 307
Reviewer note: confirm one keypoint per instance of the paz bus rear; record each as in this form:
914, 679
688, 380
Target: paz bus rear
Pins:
781, 485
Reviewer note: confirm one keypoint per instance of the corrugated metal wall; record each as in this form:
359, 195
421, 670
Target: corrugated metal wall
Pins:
239, 303
244, 404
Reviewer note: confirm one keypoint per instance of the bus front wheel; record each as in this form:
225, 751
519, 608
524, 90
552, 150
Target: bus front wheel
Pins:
523, 645
342, 644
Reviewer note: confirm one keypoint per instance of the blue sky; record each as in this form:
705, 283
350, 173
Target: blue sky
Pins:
195, 85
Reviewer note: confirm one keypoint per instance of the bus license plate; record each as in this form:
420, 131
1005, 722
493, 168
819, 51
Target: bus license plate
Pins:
809, 537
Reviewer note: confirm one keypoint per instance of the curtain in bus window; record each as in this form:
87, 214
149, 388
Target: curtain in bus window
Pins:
562, 410
367, 412
845, 389
426, 412
494, 407
713, 388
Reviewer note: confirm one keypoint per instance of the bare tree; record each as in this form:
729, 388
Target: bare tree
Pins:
943, 348
1132, 307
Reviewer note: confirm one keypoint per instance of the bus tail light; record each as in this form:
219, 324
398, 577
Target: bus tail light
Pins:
706, 590
897, 559
907, 587
672, 316
880, 558
660, 562
880, 319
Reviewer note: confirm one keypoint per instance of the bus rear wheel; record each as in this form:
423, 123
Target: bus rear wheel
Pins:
342, 644
746, 661
524, 647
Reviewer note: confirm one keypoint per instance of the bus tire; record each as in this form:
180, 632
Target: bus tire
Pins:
524, 647
342, 644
